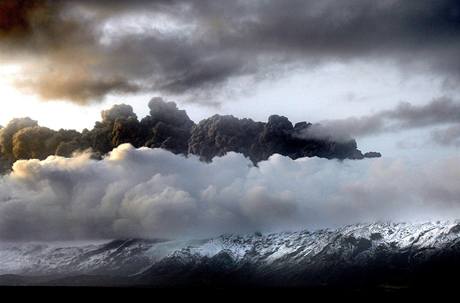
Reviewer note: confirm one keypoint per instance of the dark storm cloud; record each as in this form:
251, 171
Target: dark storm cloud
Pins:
440, 111
17, 17
204, 45
59, 50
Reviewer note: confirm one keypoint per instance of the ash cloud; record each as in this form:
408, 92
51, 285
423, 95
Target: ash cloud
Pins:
170, 128
440, 111
449, 136
155, 194
17, 18
206, 45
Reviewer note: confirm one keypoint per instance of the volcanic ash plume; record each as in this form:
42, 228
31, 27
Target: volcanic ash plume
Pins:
170, 128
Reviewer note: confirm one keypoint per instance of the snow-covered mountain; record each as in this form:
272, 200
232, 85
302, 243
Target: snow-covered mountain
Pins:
361, 253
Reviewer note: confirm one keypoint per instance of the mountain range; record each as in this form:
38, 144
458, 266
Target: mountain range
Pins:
378, 255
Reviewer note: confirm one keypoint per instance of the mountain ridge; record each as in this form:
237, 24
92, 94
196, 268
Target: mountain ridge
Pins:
359, 253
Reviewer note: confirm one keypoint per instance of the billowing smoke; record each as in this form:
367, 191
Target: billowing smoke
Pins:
156, 194
257, 140
23, 138
169, 128
82, 50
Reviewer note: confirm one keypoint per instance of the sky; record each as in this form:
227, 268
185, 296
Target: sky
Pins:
308, 61
386, 73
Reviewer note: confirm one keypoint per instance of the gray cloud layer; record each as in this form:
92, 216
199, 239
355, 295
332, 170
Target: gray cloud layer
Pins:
449, 136
194, 47
441, 111
154, 193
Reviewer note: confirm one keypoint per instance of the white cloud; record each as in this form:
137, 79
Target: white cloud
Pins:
153, 193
